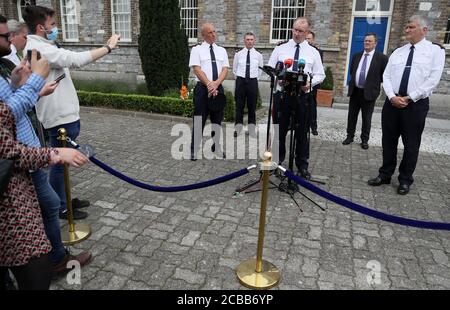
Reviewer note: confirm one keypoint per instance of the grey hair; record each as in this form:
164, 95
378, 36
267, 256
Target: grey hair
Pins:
15, 26
419, 19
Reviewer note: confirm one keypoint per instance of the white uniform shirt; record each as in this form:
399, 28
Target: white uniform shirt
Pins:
13, 56
201, 56
307, 52
358, 71
240, 63
426, 70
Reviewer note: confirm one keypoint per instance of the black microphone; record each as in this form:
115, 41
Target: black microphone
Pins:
279, 67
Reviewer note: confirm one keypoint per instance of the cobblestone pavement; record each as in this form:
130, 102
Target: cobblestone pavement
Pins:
196, 239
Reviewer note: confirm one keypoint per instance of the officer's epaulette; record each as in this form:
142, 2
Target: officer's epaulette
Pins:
197, 44
282, 42
440, 45
314, 46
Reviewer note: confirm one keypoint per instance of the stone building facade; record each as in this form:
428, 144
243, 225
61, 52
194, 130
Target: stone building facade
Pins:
335, 22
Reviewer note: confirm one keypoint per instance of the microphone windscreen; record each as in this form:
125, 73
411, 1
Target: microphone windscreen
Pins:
288, 62
301, 62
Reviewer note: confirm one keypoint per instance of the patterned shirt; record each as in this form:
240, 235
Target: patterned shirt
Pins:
22, 234
22, 101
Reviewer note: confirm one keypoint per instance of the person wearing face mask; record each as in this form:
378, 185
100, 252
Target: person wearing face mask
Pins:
61, 109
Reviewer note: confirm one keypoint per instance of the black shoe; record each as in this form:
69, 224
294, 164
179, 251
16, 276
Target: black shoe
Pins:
77, 215
304, 174
364, 145
314, 132
80, 204
193, 158
235, 134
403, 189
378, 181
347, 141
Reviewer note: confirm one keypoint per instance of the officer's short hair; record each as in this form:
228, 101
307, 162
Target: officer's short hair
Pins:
421, 20
305, 19
249, 34
3, 19
15, 26
373, 34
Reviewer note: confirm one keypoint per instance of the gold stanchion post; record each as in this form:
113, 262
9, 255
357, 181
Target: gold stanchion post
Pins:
80, 232
257, 273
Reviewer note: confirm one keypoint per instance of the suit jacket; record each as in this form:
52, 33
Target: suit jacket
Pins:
374, 75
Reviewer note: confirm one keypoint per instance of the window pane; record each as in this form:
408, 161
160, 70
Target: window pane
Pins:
122, 18
284, 12
447, 35
189, 17
69, 20
360, 5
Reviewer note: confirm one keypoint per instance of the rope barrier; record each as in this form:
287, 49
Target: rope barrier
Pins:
154, 188
363, 210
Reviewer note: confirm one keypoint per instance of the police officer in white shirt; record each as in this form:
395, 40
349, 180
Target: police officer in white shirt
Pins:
297, 48
210, 65
246, 65
413, 71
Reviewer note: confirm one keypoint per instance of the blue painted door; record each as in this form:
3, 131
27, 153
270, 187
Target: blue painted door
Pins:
361, 26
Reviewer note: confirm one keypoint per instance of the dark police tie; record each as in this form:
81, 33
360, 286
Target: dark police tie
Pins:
247, 66
403, 90
297, 51
213, 63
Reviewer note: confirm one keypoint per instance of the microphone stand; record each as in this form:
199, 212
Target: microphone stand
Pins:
246, 188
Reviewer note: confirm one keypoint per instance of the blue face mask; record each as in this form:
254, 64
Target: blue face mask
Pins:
53, 35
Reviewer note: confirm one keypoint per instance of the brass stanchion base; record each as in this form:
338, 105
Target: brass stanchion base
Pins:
81, 233
266, 279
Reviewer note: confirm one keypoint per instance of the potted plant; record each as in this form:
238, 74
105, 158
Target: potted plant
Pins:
325, 91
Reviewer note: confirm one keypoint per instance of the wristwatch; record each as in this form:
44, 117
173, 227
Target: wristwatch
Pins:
109, 48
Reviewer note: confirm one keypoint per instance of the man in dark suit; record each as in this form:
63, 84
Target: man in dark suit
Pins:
366, 71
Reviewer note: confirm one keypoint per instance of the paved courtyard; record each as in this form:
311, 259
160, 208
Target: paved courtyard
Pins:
196, 239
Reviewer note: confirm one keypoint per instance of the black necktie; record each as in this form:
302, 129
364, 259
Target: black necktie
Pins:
213, 63
403, 90
297, 51
247, 67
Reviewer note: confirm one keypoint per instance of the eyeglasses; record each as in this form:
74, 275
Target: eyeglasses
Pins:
5, 35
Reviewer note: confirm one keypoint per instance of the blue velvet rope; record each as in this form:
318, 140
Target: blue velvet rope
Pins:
213, 182
369, 212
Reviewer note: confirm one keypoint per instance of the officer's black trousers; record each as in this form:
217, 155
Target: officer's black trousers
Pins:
313, 109
246, 91
201, 109
358, 102
407, 123
299, 105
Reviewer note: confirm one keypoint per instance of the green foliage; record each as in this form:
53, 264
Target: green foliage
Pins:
328, 83
143, 103
106, 86
163, 45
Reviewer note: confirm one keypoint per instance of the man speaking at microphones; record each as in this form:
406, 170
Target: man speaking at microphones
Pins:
297, 55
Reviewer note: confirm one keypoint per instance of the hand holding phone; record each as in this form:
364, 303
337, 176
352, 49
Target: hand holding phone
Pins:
29, 55
59, 78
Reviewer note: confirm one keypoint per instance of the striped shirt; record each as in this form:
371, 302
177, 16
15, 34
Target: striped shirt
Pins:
20, 102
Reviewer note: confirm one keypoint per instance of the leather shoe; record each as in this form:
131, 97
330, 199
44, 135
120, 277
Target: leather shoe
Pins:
83, 258
347, 141
364, 145
304, 174
79, 204
314, 132
403, 189
378, 181
77, 215
235, 134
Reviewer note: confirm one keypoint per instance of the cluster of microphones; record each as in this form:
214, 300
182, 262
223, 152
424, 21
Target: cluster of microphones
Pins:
290, 80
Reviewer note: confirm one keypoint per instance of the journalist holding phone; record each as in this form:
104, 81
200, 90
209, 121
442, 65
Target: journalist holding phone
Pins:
61, 109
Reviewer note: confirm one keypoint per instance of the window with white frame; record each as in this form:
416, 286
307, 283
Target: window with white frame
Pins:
69, 20
121, 19
21, 4
284, 13
189, 18
447, 33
